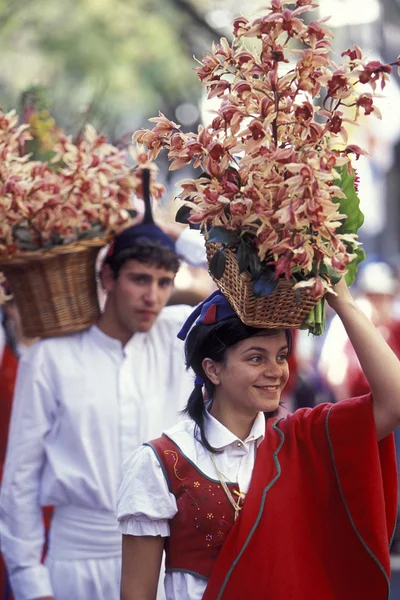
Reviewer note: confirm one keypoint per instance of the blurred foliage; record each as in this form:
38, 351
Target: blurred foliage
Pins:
112, 62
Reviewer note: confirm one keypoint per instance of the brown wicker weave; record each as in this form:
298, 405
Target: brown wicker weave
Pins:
55, 290
282, 308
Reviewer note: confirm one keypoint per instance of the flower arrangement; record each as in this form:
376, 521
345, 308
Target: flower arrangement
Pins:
277, 185
84, 191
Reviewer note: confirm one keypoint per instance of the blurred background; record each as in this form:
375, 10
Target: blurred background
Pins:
116, 63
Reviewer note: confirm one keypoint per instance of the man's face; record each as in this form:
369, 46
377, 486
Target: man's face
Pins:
138, 294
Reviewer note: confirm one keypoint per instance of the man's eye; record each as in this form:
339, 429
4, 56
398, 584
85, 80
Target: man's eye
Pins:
165, 284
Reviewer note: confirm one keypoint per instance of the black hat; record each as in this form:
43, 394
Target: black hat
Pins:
146, 229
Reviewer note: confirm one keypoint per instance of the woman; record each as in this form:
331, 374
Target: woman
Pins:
254, 502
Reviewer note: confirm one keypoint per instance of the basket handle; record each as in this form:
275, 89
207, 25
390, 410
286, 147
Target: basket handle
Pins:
148, 213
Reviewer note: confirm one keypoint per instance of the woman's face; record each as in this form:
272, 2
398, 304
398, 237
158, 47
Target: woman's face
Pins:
253, 374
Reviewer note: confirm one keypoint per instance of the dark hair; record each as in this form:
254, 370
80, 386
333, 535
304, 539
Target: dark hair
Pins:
212, 341
145, 251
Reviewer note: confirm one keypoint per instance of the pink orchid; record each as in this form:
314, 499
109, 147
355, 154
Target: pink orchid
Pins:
270, 156
90, 186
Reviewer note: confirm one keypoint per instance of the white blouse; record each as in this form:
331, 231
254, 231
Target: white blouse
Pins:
145, 504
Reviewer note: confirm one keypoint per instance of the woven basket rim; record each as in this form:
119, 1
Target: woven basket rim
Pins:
245, 274
284, 307
72, 248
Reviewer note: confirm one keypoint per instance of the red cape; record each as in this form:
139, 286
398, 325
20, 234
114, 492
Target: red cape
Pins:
318, 518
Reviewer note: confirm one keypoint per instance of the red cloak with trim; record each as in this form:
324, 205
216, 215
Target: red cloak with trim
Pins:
318, 518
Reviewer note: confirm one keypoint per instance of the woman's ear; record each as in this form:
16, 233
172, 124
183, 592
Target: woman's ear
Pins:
212, 369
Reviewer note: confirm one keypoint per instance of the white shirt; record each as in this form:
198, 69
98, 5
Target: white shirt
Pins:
84, 404
145, 504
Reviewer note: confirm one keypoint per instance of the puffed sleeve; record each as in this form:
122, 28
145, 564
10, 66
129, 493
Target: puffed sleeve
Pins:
144, 504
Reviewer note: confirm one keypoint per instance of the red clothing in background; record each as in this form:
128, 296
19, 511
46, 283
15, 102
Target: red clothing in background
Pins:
8, 374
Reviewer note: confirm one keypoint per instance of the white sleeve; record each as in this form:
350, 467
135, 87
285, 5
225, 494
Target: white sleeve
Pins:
144, 504
21, 524
190, 245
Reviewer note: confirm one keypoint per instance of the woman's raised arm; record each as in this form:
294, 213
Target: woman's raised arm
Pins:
379, 363
141, 563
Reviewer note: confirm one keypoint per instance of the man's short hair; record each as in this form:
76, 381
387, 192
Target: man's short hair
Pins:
146, 251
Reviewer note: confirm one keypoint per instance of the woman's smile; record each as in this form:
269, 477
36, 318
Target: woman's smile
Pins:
253, 374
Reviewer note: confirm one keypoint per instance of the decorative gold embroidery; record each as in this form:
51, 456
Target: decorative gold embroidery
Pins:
176, 460
196, 484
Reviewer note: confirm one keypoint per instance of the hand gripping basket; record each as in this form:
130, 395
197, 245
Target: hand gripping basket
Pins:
55, 290
284, 307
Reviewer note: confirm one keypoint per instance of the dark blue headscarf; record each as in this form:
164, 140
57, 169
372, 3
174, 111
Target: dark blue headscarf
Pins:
213, 309
146, 229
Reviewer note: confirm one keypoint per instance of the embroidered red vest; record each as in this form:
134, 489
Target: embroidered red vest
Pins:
205, 515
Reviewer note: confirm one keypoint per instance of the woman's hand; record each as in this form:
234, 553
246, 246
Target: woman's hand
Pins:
341, 298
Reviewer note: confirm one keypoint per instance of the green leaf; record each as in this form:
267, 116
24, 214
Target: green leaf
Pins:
217, 264
254, 265
333, 275
183, 214
350, 205
96, 230
264, 285
352, 267
221, 235
316, 320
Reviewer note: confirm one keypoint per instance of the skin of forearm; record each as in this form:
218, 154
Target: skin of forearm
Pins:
141, 563
378, 362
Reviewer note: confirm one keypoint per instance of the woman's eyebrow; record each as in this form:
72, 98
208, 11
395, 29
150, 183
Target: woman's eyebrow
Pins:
265, 350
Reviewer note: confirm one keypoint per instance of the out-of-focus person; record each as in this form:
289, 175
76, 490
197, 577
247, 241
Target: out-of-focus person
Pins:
306, 387
13, 344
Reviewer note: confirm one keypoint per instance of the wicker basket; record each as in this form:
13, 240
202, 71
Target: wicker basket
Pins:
284, 307
55, 290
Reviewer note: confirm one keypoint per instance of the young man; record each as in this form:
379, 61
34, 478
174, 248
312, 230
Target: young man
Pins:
82, 404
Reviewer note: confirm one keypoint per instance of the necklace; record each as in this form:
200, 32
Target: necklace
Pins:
236, 504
